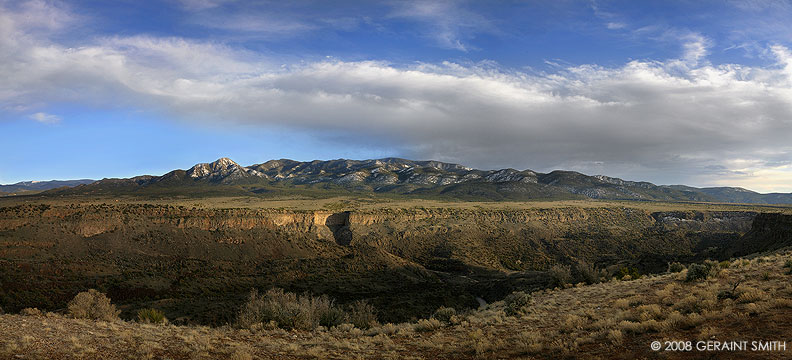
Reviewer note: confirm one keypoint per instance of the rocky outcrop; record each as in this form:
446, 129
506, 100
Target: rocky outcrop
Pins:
768, 232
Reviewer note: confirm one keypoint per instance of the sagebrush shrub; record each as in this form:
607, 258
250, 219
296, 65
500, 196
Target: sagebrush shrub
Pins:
587, 273
517, 303
291, 311
444, 314
752, 295
628, 273
332, 316
31, 312
675, 267
697, 272
286, 309
151, 316
702, 271
362, 315
561, 274
426, 325
92, 305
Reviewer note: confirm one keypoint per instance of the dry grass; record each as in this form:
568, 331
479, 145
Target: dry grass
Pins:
752, 295
605, 320
427, 325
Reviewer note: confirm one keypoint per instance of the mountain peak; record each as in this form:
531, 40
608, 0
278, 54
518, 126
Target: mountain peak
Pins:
223, 162
220, 170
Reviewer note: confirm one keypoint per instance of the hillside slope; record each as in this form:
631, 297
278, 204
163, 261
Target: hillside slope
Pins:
612, 320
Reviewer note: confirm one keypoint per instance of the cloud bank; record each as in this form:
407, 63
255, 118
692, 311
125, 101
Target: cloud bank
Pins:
672, 121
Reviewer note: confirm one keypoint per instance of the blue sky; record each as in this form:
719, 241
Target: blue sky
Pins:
690, 92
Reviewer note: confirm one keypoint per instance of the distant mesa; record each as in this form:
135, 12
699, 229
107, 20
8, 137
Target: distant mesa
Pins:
394, 177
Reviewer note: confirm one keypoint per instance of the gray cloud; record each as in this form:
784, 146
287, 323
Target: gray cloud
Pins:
675, 121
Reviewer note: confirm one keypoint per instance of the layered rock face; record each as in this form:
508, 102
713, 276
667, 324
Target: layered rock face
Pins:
200, 263
497, 239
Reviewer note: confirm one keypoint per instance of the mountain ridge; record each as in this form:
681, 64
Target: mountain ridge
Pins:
403, 177
41, 185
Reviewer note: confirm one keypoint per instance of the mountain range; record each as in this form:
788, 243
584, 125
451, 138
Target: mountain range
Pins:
41, 185
400, 177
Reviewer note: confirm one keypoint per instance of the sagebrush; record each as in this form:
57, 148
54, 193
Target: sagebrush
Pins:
517, 303
703, 271
92, 305
561, 274
305, 312
444, 314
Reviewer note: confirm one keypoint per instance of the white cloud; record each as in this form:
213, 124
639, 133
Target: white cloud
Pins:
44, 15
762, 5
615, 25
672, 121
198, 5
45, 118
269, 20
770, 179
695, 47
264, 25
447, 22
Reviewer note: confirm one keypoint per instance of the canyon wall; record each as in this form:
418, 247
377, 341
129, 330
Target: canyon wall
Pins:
497, 239
198, 264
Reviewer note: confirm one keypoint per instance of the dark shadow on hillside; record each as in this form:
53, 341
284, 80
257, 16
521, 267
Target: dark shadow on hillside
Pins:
338, 223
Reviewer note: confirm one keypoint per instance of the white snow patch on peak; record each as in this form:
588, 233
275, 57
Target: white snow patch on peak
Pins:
225, 162
220, 167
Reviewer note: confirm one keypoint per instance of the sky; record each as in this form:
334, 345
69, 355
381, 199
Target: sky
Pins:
672, 92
